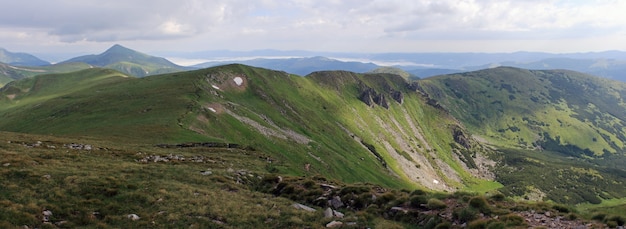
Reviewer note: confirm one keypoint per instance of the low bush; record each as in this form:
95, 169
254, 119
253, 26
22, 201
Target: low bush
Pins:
435, 204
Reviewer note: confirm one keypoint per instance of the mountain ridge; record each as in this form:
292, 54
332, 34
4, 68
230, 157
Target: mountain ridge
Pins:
129, 61
20, 59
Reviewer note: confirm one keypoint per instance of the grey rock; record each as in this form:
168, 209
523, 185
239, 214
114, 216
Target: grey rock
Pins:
328, 213
303, 207
338, 214
334, 224
336, 202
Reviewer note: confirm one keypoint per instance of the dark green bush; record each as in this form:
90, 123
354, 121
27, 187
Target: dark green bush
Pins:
513, 220
599, 217
561, 208
480, 203
465, 214
618, 219
417, 201
498, 197
435, 204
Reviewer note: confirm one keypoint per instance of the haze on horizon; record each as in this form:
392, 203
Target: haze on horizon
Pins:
373, 26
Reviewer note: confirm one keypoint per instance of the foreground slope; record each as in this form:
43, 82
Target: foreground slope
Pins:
354, 127
571, 121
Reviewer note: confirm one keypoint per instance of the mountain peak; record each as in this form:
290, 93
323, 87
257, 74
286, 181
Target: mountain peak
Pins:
116, 48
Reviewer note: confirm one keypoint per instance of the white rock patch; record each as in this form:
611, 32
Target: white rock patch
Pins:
216, 87
211, 109
436, 181
238, 80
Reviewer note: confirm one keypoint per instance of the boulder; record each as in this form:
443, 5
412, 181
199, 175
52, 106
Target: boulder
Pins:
335, 202
334, 224
328, 213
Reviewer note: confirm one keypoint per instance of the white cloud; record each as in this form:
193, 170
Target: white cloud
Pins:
329, 25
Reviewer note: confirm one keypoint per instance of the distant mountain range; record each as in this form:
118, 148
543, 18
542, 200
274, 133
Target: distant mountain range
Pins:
20, 59
300, 66
129, 61
610, 64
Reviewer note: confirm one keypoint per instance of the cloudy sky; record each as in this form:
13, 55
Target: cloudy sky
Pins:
91, 26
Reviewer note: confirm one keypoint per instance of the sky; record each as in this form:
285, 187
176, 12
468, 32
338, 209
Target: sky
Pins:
362, 26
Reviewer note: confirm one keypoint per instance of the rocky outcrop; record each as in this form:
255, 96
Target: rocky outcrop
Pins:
397, 96
367, 96
460, 137
370, 97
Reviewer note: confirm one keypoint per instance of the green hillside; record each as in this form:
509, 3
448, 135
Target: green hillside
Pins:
558, 126
317, 120
235, 146
9, 73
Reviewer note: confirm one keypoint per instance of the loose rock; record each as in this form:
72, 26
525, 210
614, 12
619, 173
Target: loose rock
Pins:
133, 217
334, 224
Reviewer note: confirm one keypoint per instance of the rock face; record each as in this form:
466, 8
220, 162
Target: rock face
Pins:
370, 97
459, 137
397, 96
367, 96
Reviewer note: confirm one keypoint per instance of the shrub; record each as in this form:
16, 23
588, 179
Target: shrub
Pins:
435, 204
480, 203
561, 208
513, 220
417, 201
465, 214
478, 224
418, 192
599, 217
617, 219
498, 197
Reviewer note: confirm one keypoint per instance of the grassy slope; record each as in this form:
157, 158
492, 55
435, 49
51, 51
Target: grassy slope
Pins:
173, 108
576, 119
9, 73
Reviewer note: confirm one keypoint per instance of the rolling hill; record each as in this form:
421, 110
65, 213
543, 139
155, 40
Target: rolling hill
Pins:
10, 73
129, 61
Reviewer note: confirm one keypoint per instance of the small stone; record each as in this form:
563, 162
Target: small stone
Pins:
303, 207
133, 217
338, 214
206, 173
328, 213
548, 214
6, 164
47, 176
333, 224
46, 215
336, 202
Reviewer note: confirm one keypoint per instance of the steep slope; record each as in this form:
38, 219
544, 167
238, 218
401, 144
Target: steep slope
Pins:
319, 124
129, 61
571, 121
20, 59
